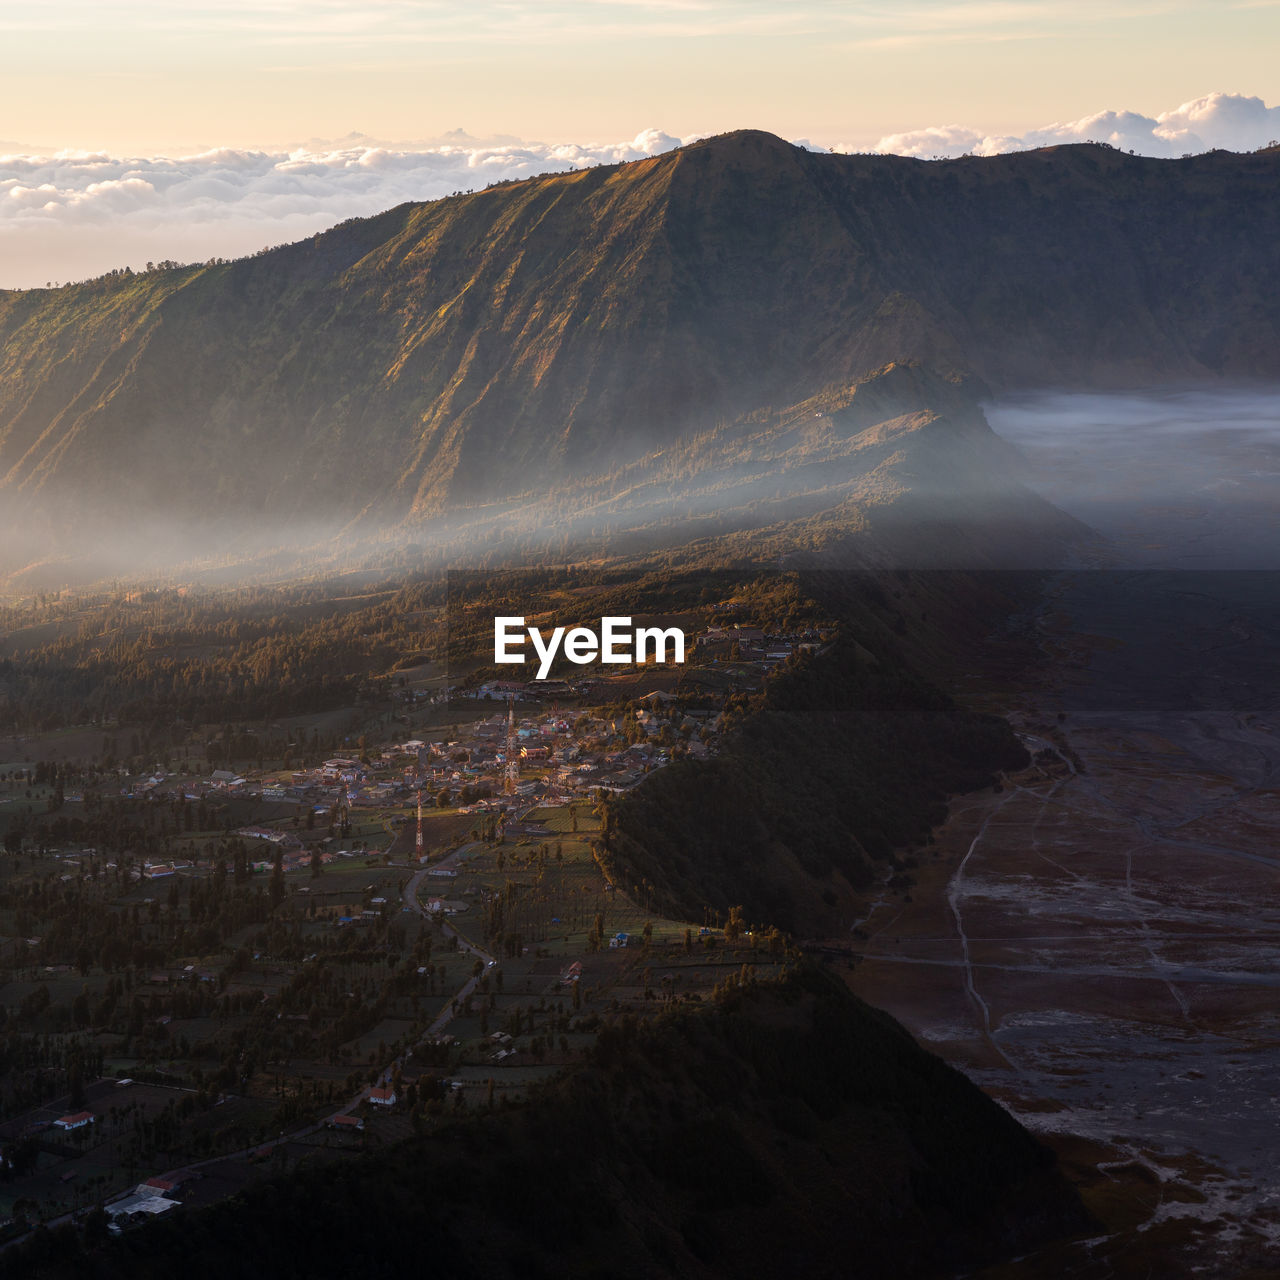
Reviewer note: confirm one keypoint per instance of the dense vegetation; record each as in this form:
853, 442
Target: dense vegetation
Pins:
827, 776
789, 1130
165, 657
100, 941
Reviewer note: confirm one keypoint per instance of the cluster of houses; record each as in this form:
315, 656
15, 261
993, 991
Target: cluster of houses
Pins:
558, 758
558, 754
609, 754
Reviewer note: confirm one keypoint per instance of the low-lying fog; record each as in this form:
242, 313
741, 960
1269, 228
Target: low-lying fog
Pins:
1182, 479
1174, 479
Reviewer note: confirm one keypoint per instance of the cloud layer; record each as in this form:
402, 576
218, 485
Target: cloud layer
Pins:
71, 215
75, 214
1229, 121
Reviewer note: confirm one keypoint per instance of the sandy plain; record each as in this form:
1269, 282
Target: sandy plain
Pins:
1097, 941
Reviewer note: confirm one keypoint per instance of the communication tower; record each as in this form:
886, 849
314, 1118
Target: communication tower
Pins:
512, 777
418, 840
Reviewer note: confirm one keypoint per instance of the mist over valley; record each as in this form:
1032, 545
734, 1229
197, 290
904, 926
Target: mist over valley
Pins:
574, 355
960, 475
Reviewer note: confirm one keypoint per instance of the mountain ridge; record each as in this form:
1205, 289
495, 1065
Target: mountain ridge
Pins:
467, 349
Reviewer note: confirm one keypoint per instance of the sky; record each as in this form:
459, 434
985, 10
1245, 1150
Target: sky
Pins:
140, 131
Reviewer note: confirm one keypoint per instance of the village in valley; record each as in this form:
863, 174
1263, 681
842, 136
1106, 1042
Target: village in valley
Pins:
261, 966
546, 742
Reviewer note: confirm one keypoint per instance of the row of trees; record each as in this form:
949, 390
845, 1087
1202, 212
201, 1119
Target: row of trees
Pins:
205, 658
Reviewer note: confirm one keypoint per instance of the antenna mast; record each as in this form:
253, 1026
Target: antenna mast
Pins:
512, 778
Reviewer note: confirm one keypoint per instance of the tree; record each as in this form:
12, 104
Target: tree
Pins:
277, 880
75, 1084
733, 927
95, 1225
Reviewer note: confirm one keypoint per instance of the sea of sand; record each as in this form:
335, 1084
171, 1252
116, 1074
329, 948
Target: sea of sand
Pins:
1097, 942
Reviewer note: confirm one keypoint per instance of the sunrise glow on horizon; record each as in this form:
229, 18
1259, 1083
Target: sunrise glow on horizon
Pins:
140, 131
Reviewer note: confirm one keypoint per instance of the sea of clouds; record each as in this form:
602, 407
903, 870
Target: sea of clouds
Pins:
1227, 121
70, 215
75, 214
